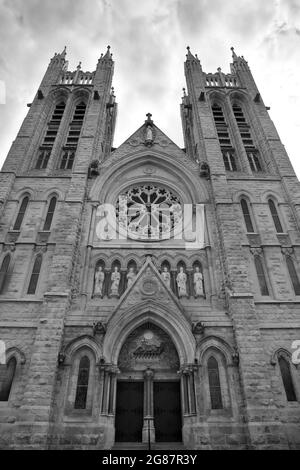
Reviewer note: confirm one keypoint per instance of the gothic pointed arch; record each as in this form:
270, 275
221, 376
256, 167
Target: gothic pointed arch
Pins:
125, 321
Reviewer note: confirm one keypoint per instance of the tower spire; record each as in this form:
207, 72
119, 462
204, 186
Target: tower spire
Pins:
189, 55
234, 56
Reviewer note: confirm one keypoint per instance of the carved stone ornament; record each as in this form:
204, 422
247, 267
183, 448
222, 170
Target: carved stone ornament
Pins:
287, 251
148, 346
61, 358
99, 328
198, 328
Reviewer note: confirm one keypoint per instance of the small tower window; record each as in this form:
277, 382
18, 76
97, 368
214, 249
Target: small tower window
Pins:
261, 276
247, 216
229, 161
287, 380
214, 384
254, 162
275, 216
68, 155
82, 383
21, 213
67, 159
3, 272
293, 275
7, 373
35, 274
50, 213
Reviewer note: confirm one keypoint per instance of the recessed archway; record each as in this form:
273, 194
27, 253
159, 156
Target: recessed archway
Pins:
148, 397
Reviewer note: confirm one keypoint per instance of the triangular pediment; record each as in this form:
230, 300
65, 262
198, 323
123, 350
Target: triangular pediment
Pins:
138, 143
149, 286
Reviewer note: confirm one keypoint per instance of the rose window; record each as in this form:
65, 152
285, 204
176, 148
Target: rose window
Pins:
149, 213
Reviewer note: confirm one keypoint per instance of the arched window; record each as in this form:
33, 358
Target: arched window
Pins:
50, 136
35, 274
221, 126
261, 276
286, 375
50, 213
82, 383
214, 384
3, 272
229, 161
275, 216
247, 216
68, 154
6, 378
21, 213
293, 275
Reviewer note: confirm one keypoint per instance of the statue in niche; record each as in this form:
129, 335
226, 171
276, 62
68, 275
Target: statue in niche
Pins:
115, 281
166, 276
149, 133
99, 280
181, 282
198, 282
131, 275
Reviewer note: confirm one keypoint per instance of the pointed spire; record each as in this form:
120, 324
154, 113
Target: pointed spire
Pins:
234, 56
191, 57
64, 52
108, 54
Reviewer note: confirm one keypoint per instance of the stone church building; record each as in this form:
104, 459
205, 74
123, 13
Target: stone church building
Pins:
148, 336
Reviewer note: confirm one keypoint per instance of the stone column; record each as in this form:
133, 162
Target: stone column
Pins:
123, 281
190, 285
188, 389
173, 282
148, 426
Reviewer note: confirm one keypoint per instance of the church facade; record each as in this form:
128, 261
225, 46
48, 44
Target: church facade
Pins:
120, 328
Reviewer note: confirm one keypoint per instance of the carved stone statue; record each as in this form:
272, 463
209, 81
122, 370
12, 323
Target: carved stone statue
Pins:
166, 276
115, 281
99, 280
131, 275
181, 283
198, 282
149, 133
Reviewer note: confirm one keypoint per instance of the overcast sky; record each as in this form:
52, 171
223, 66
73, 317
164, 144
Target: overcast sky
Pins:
148, 39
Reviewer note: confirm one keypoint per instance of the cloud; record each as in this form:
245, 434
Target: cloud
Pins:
148, 40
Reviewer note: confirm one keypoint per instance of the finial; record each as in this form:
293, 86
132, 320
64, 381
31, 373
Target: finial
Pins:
188, 48
108, 55
184, 93
219, 69
79, 66
149, 116
234, 56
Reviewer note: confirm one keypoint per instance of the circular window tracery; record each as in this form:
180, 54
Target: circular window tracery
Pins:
149, 212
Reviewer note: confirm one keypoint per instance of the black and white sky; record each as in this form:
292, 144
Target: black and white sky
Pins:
148, 39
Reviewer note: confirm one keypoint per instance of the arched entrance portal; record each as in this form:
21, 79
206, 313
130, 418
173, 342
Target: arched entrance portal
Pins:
148, 399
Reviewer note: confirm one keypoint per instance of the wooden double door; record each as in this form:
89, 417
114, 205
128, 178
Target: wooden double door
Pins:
130, 416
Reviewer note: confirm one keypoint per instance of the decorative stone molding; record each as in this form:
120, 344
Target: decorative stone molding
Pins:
287, 251
99, 328
256, 251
